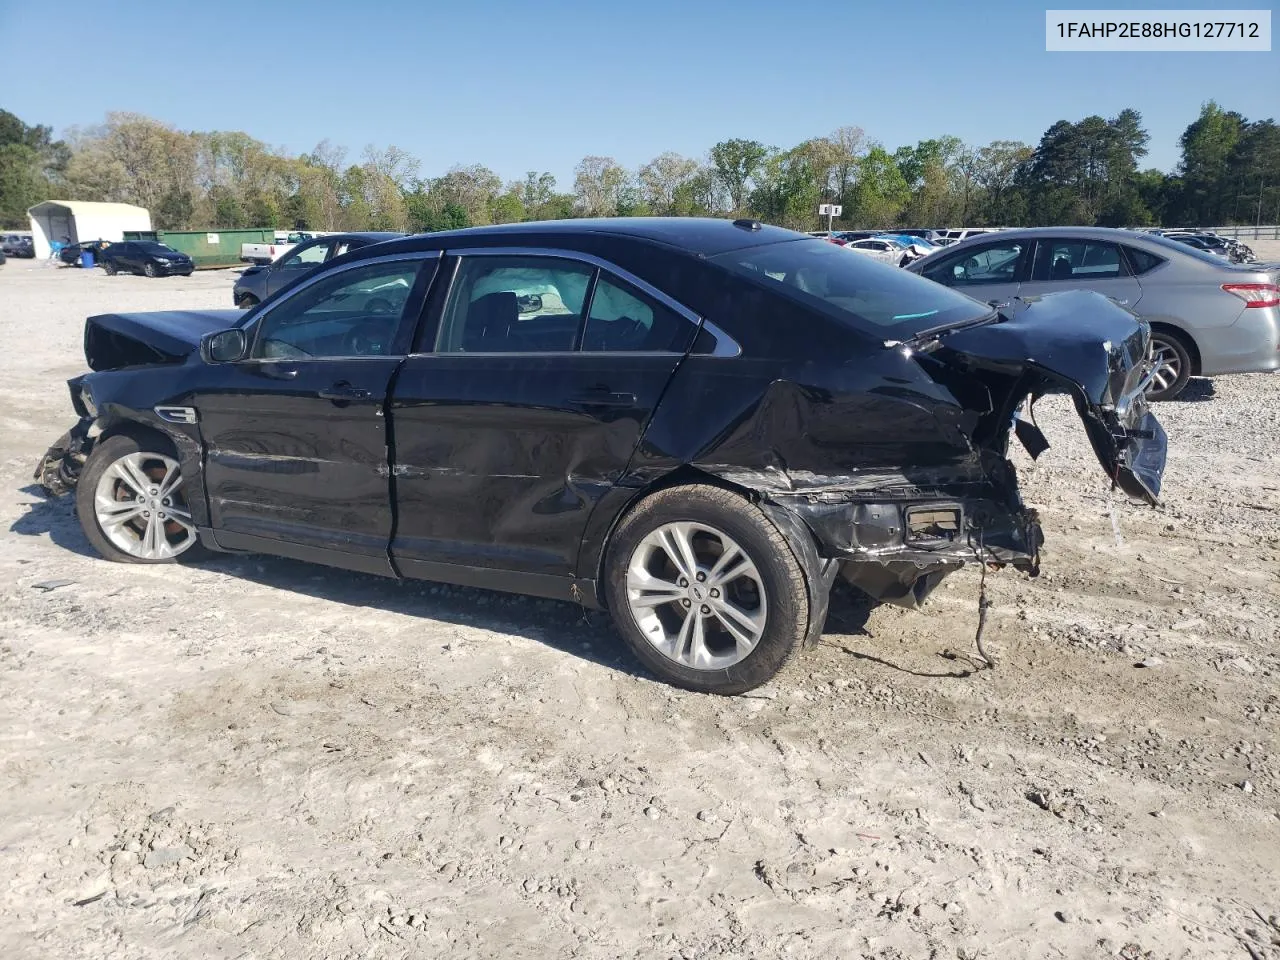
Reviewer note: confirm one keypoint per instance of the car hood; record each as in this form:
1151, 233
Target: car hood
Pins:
115, 340
1085, 345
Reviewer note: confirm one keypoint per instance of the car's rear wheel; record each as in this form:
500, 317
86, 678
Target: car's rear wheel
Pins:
1172, 363
247, 301
149, 269
108, 268
705, 590
132, 505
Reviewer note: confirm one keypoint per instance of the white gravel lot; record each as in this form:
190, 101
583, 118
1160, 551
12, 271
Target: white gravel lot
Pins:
262, 759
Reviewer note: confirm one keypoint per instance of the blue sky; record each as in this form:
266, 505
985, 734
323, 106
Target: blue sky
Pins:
537, 85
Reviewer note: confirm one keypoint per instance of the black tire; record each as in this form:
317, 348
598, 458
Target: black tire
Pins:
149, 269
108, 268
788, 608
247, 301
1164, 340
105, 454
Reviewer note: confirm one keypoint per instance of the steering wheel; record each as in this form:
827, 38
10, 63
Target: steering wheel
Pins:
367, 340
379, 306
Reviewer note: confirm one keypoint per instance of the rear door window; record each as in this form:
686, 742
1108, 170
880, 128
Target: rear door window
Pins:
1077, 260
514, 304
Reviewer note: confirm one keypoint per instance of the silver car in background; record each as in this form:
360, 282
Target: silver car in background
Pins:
1208, 317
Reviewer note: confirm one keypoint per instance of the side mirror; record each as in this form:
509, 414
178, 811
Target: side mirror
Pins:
225, 346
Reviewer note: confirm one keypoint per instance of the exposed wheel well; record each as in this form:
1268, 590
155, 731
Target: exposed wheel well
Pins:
1184, 338
142, 433
684, 474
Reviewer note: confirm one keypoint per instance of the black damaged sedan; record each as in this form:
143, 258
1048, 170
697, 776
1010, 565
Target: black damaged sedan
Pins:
696, 424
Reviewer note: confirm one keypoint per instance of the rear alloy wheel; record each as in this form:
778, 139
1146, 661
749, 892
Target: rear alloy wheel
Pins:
108, 268
1172, 364
132, 504
705, 590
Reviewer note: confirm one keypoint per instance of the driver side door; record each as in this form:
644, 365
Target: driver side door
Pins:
296, 263
295, 438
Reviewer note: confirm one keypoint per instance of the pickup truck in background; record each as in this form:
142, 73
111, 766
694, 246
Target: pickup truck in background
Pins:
270, 252
285, 241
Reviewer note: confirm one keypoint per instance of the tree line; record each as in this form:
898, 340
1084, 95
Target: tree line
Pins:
1083, 172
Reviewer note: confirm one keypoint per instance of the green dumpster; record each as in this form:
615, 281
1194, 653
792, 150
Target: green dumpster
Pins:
206, 248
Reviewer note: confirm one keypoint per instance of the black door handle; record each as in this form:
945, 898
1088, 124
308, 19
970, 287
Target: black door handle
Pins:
602, 397
342, 390
277, 371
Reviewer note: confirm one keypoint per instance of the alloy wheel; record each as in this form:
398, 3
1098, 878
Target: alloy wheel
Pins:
1167, 366
140, 508
696, 595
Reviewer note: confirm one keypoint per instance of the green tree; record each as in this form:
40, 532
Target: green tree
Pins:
1207, 147
31, 162
662, 179
736, 163
881, 191
788, 189
598, 186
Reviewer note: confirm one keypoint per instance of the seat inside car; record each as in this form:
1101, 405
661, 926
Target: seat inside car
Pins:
1062, 269
489, 321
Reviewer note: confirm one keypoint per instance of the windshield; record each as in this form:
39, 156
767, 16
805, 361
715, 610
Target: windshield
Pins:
151, 246
871, 296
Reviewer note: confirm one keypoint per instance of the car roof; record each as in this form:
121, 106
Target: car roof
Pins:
1030, 233
703, 236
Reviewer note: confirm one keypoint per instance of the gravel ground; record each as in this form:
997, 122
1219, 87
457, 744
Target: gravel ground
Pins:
259, 758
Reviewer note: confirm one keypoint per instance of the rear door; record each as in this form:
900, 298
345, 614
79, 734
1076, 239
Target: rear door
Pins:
1064, 263
990, 271
125, 257
295, 436
297, 263
523, 411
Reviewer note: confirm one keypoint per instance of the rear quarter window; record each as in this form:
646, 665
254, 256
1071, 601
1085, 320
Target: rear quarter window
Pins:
1142, 260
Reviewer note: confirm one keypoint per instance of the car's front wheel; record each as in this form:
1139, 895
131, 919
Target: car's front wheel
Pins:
108, 268
247, 301
1172, 364
149, 269
705, 590
132, 504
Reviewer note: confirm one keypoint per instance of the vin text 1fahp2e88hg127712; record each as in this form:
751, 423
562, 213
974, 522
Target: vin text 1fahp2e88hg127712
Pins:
697, 424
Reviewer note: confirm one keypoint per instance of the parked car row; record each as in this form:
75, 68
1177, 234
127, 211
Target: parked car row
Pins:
146, 257
1208, 317
695, 424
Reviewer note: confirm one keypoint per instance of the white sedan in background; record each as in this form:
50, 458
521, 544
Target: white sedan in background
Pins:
886, 251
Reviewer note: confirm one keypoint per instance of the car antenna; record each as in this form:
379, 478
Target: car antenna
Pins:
747, 224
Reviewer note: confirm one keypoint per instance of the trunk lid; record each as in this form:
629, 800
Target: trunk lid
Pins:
115, 340
1083, 344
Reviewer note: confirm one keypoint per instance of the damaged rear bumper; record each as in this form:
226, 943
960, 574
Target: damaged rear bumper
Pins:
899, 551
59, 469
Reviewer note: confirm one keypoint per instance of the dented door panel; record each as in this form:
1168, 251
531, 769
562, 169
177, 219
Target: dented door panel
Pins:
500, 460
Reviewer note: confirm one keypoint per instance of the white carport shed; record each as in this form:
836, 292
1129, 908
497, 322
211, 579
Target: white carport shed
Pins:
82, 220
